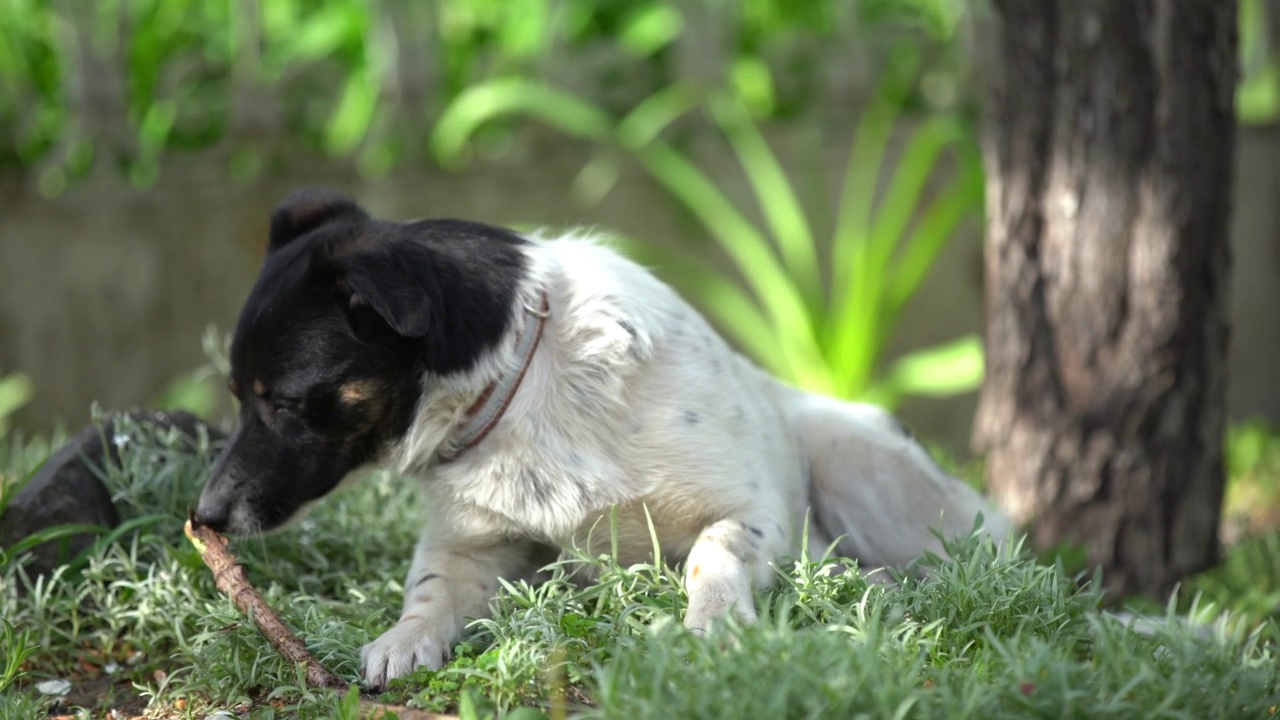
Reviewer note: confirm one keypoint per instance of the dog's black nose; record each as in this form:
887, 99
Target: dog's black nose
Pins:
213, 512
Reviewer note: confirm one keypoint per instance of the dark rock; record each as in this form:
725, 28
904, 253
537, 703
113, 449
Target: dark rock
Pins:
67, 488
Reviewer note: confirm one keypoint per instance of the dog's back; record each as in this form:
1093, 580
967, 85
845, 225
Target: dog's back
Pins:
698, 430
695, 430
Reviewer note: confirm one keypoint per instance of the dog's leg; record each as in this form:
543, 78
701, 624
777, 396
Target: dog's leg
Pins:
447, 583
877, 488
729, 559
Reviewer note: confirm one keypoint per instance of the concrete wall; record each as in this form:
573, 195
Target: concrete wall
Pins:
105, 290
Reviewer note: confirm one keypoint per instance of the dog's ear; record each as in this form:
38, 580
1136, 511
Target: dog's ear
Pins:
306, 210
379, 281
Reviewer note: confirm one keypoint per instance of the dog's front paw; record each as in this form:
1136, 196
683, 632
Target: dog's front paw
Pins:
409, 645
705, 608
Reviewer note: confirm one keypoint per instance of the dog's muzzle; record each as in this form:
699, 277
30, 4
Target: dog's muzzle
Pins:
214, 508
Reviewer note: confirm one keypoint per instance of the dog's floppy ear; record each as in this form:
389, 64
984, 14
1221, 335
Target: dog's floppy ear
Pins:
378, 280
306, 210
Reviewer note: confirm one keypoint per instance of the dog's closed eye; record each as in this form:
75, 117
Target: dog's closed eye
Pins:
286, 408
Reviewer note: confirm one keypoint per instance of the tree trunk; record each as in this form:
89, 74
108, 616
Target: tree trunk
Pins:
1109, 151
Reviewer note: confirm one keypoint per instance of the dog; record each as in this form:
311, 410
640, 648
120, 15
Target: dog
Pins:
537, 388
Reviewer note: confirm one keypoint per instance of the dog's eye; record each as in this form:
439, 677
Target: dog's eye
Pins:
234, 387
286, 408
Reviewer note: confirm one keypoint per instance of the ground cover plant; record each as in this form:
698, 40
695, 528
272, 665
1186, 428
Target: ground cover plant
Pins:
137, 626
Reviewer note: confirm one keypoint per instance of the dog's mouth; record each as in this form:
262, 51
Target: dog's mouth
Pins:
243, 500
246, 516
230, 515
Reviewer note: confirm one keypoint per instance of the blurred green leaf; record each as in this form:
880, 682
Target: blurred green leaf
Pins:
195, 392
1258, 97
323, 33
596, 178
16, 390
656, 113
651, 28
939, 371
1253, 446
350, 121
753, 84
524, 27
939, 18
1258, 92
490, 100
156, 125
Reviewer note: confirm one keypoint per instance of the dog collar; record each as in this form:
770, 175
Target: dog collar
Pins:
485, 413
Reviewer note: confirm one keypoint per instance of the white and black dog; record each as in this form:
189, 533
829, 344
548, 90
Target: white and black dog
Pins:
535, 387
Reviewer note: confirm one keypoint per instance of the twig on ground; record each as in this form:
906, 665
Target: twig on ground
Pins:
231, 580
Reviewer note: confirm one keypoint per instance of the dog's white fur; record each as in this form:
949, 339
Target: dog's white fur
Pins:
633, 402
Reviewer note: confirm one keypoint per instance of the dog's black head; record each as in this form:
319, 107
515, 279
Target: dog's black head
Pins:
349, 317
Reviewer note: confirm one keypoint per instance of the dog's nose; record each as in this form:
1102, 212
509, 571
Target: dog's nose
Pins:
214, 512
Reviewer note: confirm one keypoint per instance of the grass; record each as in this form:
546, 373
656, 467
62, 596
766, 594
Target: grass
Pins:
139, 626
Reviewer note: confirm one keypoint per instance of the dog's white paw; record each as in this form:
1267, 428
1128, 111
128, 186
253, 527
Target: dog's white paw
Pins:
401, 650
706, 608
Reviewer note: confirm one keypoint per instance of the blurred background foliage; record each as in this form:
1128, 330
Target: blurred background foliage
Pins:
118, 82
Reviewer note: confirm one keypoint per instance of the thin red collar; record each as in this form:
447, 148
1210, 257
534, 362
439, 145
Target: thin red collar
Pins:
488, 409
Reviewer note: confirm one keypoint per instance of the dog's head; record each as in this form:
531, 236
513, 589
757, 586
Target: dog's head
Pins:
347, 320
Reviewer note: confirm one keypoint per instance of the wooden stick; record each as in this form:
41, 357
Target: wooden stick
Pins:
230, 578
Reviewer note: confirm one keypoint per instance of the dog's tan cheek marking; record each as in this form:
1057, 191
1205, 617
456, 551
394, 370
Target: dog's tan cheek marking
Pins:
358, 391
364, 398
693, 574
259, 389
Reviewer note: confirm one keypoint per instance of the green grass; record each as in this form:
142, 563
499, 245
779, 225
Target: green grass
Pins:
987, 636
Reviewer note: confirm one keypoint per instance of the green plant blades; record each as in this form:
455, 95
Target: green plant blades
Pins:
882, 250
107, 536
875, 244
901, 199
12, 553
750, 253
487, 101
647, 120
858, 194
934, 228
776, 197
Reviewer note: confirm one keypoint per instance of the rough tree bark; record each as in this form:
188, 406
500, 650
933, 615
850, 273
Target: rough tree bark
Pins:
1109, 150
